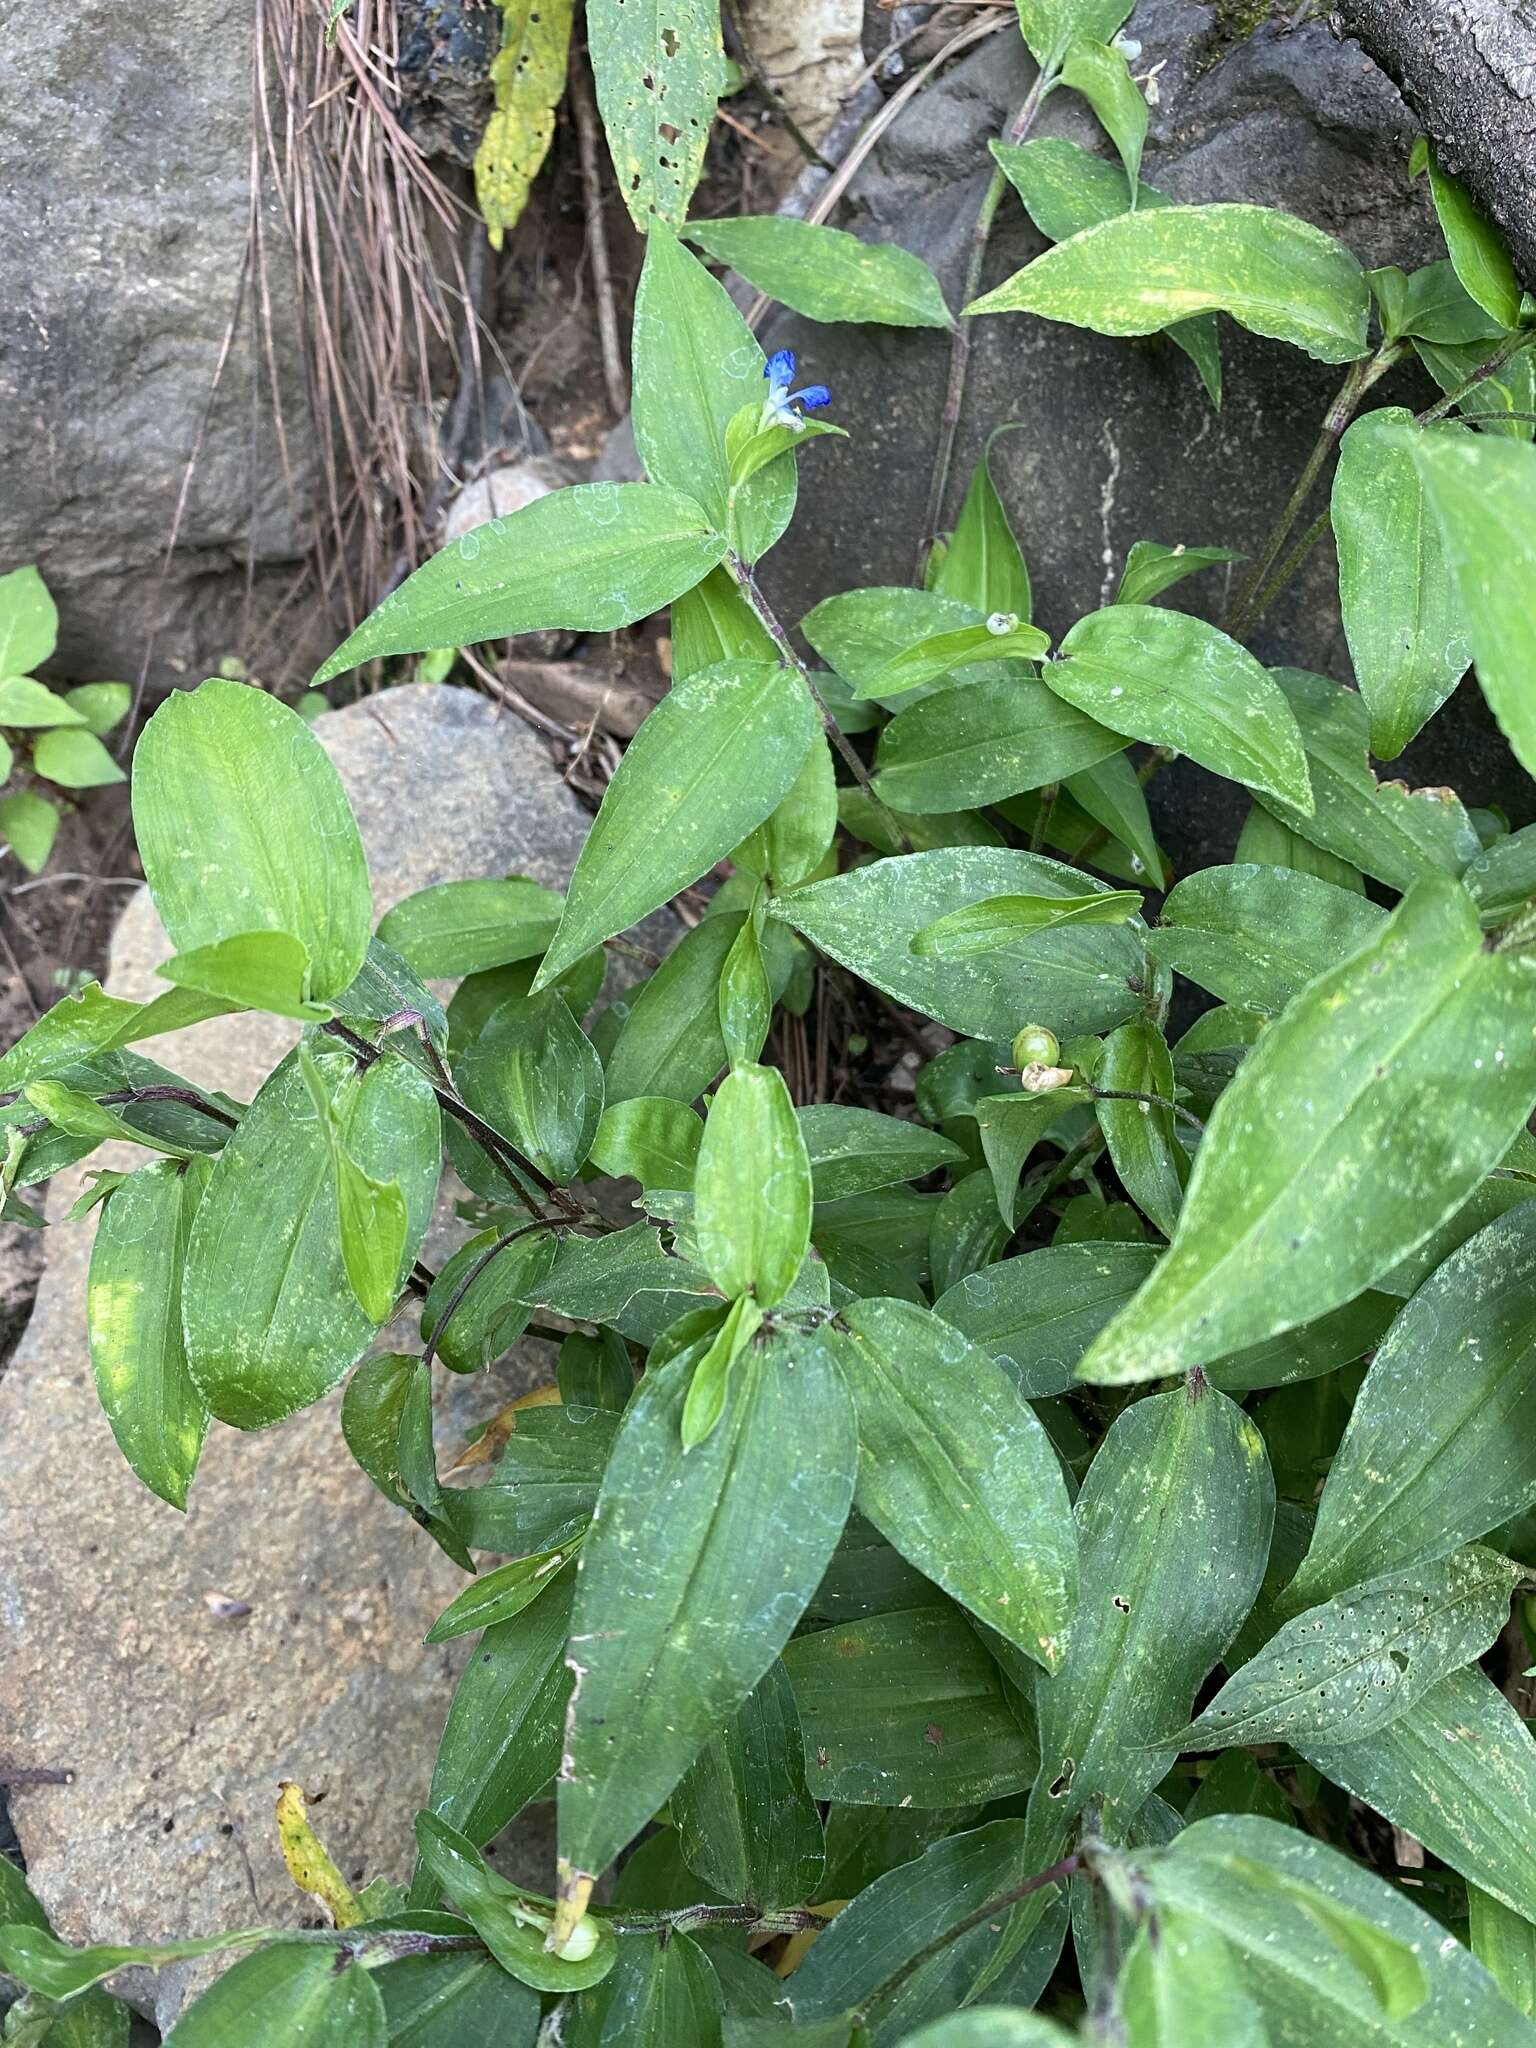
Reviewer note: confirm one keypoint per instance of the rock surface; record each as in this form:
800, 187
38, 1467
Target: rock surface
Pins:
1117, 440
125, 160
177, 1724
811, 52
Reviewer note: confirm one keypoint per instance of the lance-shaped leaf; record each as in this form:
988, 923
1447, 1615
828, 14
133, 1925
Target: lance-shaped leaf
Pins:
1181, 1987
1457, 1770
1086, 978
1010, 1127
983, 927
956, 1471
907, 1710
498, 1595
1001, 637
534, 1074
651, 1139
1151, 567
1504, 1942
983, 565
1384, 829
698, 1565
858, 631
513, 1924
1483, 491
1170, 678
285, 1997
1333, 1955
752, 1188
459, 928
696, 364
269, 1315
1408, 635
1361, 1120
671, 1043
249, 971
853, 1151
528, 73
590, 558
1439, 1448
746, 1824
29, 621
370, 1214
1272, 273
984, 742
1141, 1135
283, 854
1173, 1529
1037, 1314
1339, 1672
133, 1308
659, 72
824, 273
1255, 936
91, 1021
1476, 248
457, 1999
1101, 74
661, 1994
386, 1414
711, 762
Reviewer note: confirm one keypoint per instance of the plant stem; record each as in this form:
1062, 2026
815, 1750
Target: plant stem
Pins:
469, 1279
1510, 346
768, 620
1152, 1101
960, 338
1002, 1903
1359, 379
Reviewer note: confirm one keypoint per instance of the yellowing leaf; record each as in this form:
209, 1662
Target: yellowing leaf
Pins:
309, 1863
529, 77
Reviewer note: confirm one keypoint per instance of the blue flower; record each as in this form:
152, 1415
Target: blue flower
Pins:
778, 406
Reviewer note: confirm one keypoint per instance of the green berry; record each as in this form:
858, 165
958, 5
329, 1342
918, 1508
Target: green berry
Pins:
1035, 1047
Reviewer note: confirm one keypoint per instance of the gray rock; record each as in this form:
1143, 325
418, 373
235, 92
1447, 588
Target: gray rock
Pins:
811, 52
125, 159
1117, 441
177, 1724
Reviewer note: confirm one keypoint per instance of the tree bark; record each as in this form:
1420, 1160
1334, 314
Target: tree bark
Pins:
1467, 68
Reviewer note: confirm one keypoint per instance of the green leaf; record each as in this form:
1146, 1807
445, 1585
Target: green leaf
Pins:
746, 1824
1085, 978
696, 364
858, 632
1037, 1314
984, 566
752, 1188
1437, 1451
711, 762
1173, 1524
1333, 1955
1483, 492
746, 1000
74, 759
1049, 26
957, 1473
652, 1139
1066, 189
1151, 567
989, 740
29, 622
662, 1994
998, 920
1180, 1987
600, 1280
823, 273
1255, 936
459, 928
29, 824
1420, 1025
535, 1075
1408, 637
37, 1958
495, 1308
991, 2027
789, 846
28, 704
286, 1997
77, 1115
906, 1709
449, 2000
712, 622
387, 1405
101, 705
262, 970
1505, 1944
659, 72
710, 1384
1431, 304
1501, 403
1100, 73
133, 1309
670, 1044
1476, 247
1141, 1136
1264, 842
1010, 1126
270, 1320
590, 558
1137, 272
512, 1923
1385, 829
1110, 795
285, 855
1341, 1671
1457, 1770
1170, 678
90, 1021
1001, 637
855, 1150
694, 1574
501, 1742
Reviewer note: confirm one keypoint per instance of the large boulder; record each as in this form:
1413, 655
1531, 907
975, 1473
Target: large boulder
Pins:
121, 1659
1117, 441
126, 156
